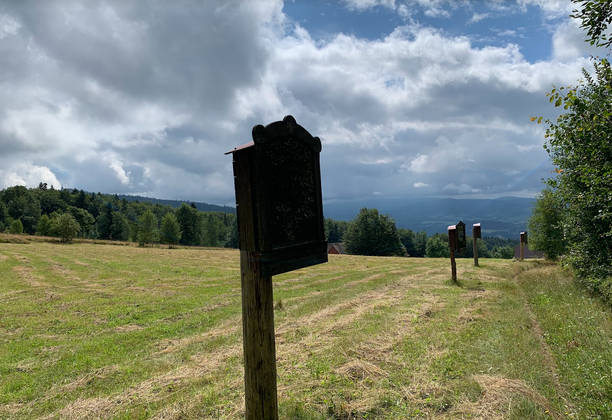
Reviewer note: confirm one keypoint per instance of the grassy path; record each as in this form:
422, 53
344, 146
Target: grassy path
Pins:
120, 332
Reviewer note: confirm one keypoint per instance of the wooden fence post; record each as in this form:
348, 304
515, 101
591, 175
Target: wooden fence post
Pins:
523, 241
258, 340
452, 244
476, 234
453, 265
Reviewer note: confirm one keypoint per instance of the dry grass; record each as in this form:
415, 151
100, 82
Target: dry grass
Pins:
498, 394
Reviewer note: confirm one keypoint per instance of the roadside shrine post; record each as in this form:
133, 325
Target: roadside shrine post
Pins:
279, 209
475, 236
523, 242
457, 242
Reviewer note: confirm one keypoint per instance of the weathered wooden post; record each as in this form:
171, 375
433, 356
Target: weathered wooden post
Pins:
279, 208
523, 241
452, 243
475, 236
457, 242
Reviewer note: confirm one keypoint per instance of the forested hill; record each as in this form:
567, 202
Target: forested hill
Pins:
46, 211
177, 203
69, 214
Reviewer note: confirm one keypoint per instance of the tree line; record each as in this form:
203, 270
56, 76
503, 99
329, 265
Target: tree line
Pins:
572, 217
372, 233
69, 214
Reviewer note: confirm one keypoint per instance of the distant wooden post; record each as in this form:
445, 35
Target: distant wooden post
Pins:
279, 208
475, 236
452, 244
523, 241
453, 265
456, 242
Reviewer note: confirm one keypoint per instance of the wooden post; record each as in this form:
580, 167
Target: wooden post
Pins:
523, 241
476, 234
279, 209
453, 265
452, 244
258, 340
521, 251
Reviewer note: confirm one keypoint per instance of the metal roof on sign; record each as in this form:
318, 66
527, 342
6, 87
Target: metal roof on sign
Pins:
244, 146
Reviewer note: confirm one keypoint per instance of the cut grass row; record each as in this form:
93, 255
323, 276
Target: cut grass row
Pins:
98, 331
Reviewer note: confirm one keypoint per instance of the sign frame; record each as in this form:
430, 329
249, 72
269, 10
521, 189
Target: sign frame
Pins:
456, 236
281, 152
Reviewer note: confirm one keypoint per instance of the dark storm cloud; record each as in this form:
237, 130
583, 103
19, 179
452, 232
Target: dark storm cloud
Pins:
145, 97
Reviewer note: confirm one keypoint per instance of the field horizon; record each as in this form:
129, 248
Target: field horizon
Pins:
99, 331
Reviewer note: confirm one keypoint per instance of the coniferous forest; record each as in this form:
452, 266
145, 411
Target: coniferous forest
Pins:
73, 213
42, 211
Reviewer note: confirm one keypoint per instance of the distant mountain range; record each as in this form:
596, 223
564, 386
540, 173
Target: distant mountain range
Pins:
503, 217
177, 203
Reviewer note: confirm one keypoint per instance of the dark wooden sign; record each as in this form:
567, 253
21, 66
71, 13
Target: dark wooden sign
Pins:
278, 197
452, 237
461, 238
456, 236
280, 226
476, 232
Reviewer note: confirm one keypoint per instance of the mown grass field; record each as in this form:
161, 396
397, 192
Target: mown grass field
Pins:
94, 331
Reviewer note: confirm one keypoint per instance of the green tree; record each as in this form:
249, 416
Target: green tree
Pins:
212, 227
16, 227
120, 227
22, 204
66, 227
231, 237
408, 239
190, 222
84, 219
170, 231
104, 221
3, 216
147, 229
49, 199
44, 226
596, 15
504, 252
545, 225
437, 246
81, 201
420, 244
334, 230
371, 233
580, 147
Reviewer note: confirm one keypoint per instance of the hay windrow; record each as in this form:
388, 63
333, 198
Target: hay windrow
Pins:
497, 395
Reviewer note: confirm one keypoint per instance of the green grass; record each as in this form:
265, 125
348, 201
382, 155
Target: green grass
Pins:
121, 332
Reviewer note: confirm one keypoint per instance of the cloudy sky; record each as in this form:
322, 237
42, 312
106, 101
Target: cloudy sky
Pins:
409, 97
